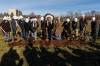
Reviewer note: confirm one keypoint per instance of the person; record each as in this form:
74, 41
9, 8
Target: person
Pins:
38, 28
43, 28
66, 29
33, 27
26, 26
21, 23
98, 28
58, 28
75, 28
5, 27
93, 29
88, 31
82, 26
14, 25
50, 26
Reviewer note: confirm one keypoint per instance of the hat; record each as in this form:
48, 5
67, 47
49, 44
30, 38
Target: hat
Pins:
9, 18
93, 18
34, 19
15, 17
83, 15
68, 20
21, 17
75, 19
42, 18
49, 16
4, 18
27, 20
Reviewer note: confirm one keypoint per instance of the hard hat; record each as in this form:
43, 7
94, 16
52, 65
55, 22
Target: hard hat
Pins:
75, 19
83, 15
68, 20
34, 19
27, 20
15, 17
9, 18
21, 17
42, 18
93, 18
4, 18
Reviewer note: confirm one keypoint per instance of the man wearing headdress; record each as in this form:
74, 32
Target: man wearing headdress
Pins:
50, 26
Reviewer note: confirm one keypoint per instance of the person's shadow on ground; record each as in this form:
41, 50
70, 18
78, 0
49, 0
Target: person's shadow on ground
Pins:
32, 55
11, 58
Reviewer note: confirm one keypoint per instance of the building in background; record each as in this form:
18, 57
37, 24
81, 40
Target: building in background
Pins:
14, 12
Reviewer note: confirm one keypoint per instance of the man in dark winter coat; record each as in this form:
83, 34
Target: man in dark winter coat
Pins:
93, 29
43, 28
5, 27
74, 24
82, 25
21, 23
75, 28
26, 26
66, 29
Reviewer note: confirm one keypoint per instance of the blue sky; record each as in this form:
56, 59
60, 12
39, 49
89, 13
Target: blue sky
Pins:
51, 6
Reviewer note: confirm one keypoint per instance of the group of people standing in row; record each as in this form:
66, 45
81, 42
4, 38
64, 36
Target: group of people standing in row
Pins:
49, 27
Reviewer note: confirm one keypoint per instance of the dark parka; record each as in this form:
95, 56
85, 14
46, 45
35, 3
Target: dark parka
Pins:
21, 24
5, 25
93, 27
74, 25
82, 23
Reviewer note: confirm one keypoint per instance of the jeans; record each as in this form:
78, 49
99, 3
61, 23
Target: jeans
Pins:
44, 35
49, 35
97, 30
94, 38
58, 37
25, 34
